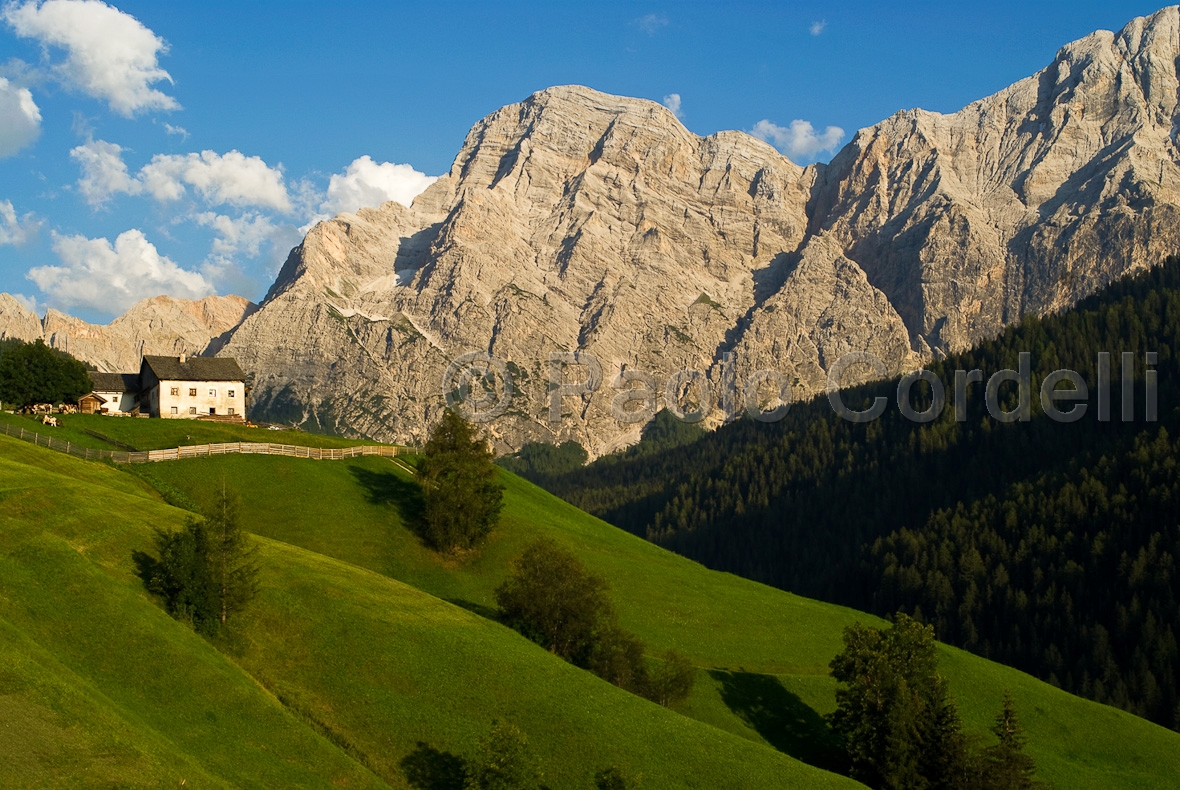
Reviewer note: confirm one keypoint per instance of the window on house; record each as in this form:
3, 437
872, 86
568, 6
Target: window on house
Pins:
192, 392
231, 393
176, 390
231, 411
213, 393
212, 411
192, 409
175, 410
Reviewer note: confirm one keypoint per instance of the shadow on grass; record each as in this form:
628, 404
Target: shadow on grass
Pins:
426, 768
486, 612
386, 488
785, 721
145, 567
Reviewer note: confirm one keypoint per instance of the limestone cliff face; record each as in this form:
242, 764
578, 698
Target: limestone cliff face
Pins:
17, 322
1022, 202
571, 221
575, 220
161, 325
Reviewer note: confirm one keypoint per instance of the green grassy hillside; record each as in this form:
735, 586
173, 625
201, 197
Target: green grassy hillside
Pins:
762, 653
120, 433
337, 676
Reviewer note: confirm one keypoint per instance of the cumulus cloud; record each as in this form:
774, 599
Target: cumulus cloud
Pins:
104, 173
367, 183
672, 102
20, 119
15, 230
231, 178
818, 27
111, 278
109, 54
238, 235
800, 140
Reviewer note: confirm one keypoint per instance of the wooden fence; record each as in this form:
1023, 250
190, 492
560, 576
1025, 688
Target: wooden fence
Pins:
202, 450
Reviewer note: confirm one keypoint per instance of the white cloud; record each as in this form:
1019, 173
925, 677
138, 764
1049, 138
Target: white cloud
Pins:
103, 172
177, 130
245, 234
29, 303
652, 23
818, 27
232, 178
15, 230
799, 141
110, 278
20, 119
367, 183
672, 102
110, 55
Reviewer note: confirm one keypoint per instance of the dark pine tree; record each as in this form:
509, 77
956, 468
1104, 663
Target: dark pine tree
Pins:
1006, 765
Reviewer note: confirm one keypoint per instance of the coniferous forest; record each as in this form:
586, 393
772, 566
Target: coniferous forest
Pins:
1048, 546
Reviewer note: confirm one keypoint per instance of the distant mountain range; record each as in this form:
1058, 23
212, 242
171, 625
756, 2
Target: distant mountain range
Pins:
575, 220
160, 325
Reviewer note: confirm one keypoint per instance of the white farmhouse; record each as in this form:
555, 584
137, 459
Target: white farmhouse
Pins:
187, 387
113, 393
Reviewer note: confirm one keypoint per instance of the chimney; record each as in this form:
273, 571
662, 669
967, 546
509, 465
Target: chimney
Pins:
183, 358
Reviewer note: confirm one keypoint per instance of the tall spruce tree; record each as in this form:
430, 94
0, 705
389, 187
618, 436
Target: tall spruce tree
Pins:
232, 563
461, 496
1006, 765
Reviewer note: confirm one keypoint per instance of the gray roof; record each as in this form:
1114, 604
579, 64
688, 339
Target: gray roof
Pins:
114, 382
195, 368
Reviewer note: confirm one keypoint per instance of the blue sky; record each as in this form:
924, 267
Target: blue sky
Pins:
178, 147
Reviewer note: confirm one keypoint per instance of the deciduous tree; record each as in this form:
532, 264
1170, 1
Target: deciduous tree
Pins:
461, 497
35, 373
505, 762
554, 600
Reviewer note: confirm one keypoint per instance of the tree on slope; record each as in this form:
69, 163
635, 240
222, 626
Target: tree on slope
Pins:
505, 762
233, 568
207, 571
555, 601
893, 710
461, 496
1006, 765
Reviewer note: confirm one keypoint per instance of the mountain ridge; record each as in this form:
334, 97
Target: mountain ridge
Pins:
157, 325
578, 221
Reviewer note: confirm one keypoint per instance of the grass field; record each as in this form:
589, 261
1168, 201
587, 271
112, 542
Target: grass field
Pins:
338, 676
762, 653
123, 432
